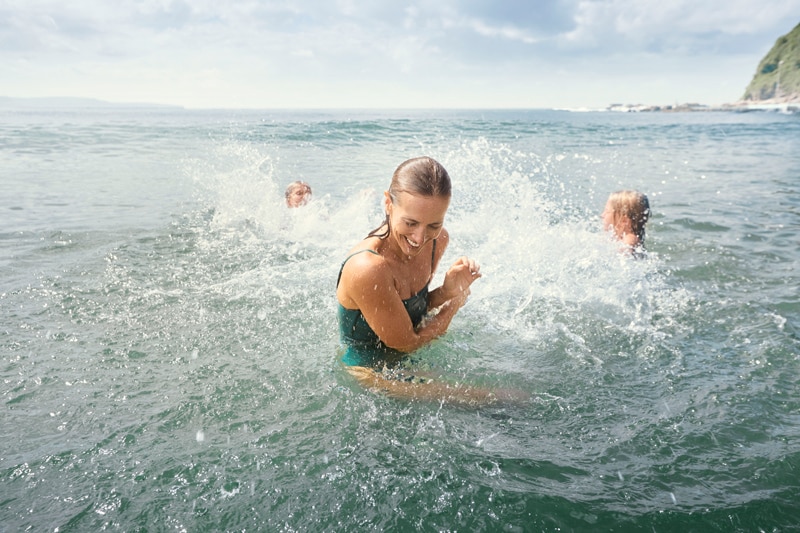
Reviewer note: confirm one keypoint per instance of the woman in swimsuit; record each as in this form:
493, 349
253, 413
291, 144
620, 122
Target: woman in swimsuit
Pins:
383, 287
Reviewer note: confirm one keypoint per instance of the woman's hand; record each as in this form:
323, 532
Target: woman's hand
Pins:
459, 277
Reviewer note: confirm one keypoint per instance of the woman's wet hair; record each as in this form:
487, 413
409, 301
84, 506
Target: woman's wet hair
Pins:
421, 176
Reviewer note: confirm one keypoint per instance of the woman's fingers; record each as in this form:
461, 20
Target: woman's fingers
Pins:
461, 275
471, 265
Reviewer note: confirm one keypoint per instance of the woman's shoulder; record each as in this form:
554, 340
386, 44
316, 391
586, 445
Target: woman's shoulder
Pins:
364, 259
368, 246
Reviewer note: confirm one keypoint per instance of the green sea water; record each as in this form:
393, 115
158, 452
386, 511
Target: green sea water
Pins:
169, 347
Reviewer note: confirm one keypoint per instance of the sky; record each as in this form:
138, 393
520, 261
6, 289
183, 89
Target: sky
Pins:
260, 54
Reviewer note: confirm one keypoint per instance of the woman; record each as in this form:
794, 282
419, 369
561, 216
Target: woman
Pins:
625, 216
383, 290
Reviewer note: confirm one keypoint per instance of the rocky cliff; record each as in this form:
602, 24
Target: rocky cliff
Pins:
777, 78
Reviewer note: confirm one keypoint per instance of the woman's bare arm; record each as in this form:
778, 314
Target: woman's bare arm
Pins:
367, 284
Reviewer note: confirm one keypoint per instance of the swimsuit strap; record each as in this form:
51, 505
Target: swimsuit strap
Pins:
433, 261
347, 258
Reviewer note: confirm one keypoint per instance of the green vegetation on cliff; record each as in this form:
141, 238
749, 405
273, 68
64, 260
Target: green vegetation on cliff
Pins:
778, 74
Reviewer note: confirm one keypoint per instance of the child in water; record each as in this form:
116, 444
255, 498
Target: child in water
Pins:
298, 193
625, 216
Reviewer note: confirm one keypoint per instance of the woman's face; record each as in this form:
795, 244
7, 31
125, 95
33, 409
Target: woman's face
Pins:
415, 220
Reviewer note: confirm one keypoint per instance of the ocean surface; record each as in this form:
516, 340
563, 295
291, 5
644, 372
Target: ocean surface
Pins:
169, 347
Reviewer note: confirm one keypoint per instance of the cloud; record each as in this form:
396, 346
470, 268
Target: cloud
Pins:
198, 52
457, 28
679, 26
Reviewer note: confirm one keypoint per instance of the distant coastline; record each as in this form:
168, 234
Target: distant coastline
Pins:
74, 103
783, 105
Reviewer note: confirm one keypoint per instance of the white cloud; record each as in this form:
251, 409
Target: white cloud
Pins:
679, 24
507, 32
354, 52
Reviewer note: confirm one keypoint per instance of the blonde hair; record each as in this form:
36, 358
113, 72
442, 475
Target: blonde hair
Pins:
634, 206
297, 185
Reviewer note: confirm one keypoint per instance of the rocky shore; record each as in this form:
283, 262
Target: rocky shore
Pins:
789, 104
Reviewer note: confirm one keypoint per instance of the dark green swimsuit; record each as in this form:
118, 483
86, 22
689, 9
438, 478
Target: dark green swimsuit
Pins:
364, 347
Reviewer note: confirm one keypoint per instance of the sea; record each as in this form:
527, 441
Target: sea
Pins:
169, 350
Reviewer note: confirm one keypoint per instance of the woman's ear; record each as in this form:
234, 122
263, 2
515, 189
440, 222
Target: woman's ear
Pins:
387, 202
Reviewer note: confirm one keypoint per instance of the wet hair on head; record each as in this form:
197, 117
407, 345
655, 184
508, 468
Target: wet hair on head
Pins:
421, 176
633, 205
293, 186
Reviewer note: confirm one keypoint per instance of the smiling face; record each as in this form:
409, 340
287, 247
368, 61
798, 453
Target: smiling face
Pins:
415, 220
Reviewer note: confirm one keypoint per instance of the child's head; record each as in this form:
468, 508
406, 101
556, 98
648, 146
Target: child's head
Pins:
626, 213
298, 193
